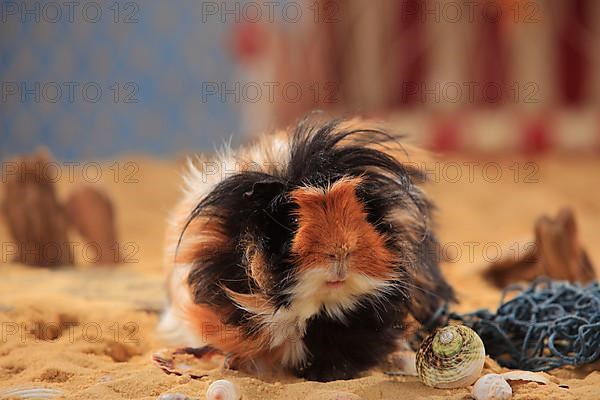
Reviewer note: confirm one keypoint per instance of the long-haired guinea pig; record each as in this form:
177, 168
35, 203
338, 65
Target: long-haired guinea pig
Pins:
307, 252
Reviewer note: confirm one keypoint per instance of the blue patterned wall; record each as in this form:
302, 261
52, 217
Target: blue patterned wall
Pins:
148, 58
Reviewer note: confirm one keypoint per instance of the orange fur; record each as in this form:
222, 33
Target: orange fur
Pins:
256, 265
208, 326
333, 226
207, 236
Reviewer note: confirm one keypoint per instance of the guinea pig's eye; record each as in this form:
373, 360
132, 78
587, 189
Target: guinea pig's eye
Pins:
295, 220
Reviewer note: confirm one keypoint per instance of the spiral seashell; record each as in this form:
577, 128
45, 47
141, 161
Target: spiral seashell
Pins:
491, 387
222, 390
451, 357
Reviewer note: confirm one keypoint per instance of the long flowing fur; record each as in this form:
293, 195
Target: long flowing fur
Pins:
240, 240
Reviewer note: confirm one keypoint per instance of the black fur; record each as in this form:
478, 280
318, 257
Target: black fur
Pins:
257, 205
342, 350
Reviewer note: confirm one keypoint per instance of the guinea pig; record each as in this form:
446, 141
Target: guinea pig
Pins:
308, 252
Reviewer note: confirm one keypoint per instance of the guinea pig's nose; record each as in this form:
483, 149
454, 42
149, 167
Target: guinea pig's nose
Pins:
341, 265
341, 272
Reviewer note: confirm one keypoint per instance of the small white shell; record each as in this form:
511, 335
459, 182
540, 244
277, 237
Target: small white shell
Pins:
173, 396
406, 362
525, 376
30, 392
222, 390
491, 387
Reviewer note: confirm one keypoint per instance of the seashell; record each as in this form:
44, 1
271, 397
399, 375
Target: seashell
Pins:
451, 357
405, 362
30, 392
173, 396
187, 361
525, 376
491, 387
222, 390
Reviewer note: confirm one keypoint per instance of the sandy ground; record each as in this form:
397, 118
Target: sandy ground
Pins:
89, 331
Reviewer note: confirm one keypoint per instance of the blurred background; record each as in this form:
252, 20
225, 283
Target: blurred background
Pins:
506, 94
99, 79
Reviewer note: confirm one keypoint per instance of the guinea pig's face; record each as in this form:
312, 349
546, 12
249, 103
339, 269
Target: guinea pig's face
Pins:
334, 244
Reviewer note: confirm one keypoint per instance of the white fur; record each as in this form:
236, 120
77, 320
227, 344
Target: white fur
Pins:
174, 330
309, 297
173, 327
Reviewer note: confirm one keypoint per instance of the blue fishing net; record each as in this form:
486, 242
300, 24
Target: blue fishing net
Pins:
545, 325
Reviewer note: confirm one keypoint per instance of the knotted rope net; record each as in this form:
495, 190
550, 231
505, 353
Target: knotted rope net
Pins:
545, 325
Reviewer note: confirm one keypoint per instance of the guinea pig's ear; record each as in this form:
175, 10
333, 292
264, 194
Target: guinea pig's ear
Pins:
265, 189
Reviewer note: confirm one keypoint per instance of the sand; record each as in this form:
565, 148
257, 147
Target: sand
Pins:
89, 331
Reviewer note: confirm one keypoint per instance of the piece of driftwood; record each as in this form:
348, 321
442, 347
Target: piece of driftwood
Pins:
91, 211
34, 216
557, 253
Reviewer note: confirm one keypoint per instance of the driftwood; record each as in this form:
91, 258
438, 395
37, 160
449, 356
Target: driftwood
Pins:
90, 210
39, 224
557, 253
35, 219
